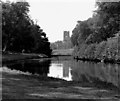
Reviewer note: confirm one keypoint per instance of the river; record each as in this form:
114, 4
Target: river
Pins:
70, 70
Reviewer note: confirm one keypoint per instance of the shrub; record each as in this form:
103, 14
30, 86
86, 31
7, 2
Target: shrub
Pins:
100, 49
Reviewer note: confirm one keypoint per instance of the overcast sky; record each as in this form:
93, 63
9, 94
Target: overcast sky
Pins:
56, 16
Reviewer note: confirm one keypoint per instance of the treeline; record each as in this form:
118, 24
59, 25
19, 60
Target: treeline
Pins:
98, 37
61, 45
19, 32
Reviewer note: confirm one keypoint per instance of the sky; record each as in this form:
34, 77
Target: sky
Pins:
56, 16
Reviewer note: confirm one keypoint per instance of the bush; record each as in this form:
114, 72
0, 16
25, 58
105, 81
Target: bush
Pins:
112, 48
82, 50
99, 53
90, 51
104, 50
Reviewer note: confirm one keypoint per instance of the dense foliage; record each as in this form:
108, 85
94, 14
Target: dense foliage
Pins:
19, 32
105, 23
107, 50
96, 36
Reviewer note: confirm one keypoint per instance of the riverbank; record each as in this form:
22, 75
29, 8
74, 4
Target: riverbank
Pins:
18, 85
8, 57
20, 56
106, 51
107, 60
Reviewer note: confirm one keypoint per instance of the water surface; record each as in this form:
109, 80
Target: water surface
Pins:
70, 70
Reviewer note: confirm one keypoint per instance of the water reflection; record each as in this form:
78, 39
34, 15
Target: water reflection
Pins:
31, 66
71, 70
60, 69
94, 72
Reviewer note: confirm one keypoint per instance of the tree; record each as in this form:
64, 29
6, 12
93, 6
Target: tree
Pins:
20, 32
109, 16
15, 25
80, 32
105, 22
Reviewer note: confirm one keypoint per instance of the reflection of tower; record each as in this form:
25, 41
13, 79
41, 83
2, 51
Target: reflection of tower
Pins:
67, 73
65, 69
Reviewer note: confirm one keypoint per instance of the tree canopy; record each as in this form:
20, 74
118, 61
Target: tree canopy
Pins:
19, 32
104, 24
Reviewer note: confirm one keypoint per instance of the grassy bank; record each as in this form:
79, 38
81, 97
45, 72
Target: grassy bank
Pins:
20, 56
17, 85
6, 57
109, 51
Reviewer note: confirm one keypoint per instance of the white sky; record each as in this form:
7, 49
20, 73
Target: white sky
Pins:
56, 16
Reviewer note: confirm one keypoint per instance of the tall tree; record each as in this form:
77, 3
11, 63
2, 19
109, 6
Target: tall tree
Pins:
109, 16
15, 23
20, 32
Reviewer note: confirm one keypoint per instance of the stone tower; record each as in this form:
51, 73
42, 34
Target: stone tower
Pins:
66, 36
66, 40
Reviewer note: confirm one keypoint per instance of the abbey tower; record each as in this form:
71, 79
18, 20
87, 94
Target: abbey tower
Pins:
66, 36
66, 40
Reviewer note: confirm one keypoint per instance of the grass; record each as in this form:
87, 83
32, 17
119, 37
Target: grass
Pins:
19, 56
25, 86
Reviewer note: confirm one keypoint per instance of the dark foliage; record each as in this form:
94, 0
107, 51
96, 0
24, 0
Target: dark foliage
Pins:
19, 32
98, 36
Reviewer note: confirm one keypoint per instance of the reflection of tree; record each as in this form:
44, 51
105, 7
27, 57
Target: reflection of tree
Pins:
32, 66
92, 72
